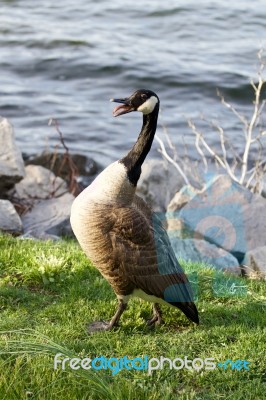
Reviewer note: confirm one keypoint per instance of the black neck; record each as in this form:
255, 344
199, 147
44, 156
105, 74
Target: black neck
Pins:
136, 156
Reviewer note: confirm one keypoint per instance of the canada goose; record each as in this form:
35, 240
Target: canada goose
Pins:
122, 237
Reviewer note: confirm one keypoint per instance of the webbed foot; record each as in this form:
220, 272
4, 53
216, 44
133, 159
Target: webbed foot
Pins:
99, 326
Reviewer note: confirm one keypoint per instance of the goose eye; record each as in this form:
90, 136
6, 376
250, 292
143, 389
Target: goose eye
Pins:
144, 96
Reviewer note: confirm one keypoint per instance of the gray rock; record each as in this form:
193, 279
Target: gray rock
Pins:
180, 199
56, 162
263, 184
62, 229
228, 215
202, 251
10, 221
46, 215
11, 162
35, 235
40, 183
158, 184
254, 263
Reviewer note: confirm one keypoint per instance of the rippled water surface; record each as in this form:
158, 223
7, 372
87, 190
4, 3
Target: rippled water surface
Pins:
66, 59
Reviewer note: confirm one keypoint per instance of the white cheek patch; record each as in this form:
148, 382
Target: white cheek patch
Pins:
148, 106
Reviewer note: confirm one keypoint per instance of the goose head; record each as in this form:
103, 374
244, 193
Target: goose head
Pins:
142, 100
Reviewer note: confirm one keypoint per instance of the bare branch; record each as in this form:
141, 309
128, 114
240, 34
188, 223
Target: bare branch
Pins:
252, 176
230, 107
251, 127
205, 144
261, 107
254, 133
166, 155
197, 140
73, 170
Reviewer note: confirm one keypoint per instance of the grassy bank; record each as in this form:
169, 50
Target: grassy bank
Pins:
49, 292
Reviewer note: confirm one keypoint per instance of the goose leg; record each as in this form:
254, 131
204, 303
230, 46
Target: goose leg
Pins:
157, 316
107, 326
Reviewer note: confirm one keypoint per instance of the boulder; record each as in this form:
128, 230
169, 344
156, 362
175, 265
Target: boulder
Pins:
207, 253
228, 215
61, 229
158, 182
39, 183
11, 162
180, 199
87, 168
40, 236
263, 184
49, 216
254, 263
10, 221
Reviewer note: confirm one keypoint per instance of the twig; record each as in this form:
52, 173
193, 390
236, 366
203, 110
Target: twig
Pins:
73, 170
252, 137
251, 127
169, 142
163, 151
230, 107
198, 148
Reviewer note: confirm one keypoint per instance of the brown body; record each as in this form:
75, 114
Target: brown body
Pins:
126, 241
120, 234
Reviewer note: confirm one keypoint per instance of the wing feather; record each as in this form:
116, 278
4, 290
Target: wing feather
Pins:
146, 256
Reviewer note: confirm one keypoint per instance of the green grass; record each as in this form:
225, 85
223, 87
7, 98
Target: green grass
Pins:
50, 291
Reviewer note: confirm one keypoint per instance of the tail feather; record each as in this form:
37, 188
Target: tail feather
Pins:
189, 309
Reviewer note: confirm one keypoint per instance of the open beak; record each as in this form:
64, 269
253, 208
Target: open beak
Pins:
123, 109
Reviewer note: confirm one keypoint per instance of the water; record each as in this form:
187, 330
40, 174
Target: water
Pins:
67, 59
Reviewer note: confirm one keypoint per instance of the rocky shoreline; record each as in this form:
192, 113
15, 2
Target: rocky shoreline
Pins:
223, 225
